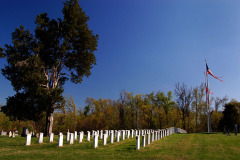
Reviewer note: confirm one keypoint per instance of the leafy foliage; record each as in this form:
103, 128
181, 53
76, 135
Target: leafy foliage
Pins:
184, 100
36, 62
231, 115
1, 52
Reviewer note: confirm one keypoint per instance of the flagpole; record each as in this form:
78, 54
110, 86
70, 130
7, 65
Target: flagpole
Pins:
207, 99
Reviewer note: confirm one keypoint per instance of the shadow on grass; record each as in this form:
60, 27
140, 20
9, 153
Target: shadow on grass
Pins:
130, 148
202, 133
205, 133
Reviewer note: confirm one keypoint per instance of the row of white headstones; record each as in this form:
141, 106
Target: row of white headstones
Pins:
11, 134
151, 136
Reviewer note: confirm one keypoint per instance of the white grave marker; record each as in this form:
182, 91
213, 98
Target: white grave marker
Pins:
40, 139
68, 136
104, 139
80, 137
71, 138
118, 136
137, 142
10, 134
88, 136
60, 140
111, 137
95, 141
75, 135
51, 137
148, 138
28, 139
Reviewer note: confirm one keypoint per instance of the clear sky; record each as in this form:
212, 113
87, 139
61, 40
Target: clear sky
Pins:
145, 45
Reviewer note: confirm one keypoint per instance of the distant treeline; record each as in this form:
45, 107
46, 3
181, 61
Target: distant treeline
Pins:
140, 111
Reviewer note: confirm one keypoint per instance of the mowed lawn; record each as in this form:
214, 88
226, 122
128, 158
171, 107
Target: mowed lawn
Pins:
176, 146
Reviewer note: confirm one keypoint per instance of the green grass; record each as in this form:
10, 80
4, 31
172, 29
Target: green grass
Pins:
176, 146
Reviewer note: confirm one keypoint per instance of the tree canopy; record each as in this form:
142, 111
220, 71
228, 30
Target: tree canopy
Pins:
231, 115
39, 64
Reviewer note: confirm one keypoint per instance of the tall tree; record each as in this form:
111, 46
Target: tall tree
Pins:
166, 103
72, 109
184, 100
231, 115
220, 102
40, 64
198, 103
150, 100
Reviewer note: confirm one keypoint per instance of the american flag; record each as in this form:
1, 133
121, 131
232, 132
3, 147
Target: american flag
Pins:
208, 91
209, 72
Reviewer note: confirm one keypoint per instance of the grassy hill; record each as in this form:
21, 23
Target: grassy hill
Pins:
176, 146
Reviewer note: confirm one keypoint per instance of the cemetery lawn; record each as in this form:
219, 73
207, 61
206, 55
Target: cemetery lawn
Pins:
176, 146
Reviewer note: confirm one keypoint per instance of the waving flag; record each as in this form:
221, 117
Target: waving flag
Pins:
209, 72
207, 91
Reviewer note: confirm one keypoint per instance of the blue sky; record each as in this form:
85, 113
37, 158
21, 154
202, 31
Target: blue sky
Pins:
145, 45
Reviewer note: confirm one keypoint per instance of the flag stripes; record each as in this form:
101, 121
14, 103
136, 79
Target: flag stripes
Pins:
209, 72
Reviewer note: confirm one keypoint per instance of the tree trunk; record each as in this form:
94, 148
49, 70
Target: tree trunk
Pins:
196, 122
167, 119
184, 122
74, 119
49, 122
137, 120
160, 123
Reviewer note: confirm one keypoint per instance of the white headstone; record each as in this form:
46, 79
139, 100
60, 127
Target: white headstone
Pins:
111, 137
75, 135
80, 137
88, 136
16, 132
13, 134
40, 139
137, 142
3, 133
148, 138
51, 137
71, 138
68, 136
156, 135
128, 134
123, 135
106, 132
95, 140
10, 134
118, 136
104, 139
28, 139
152, 137
60, 140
